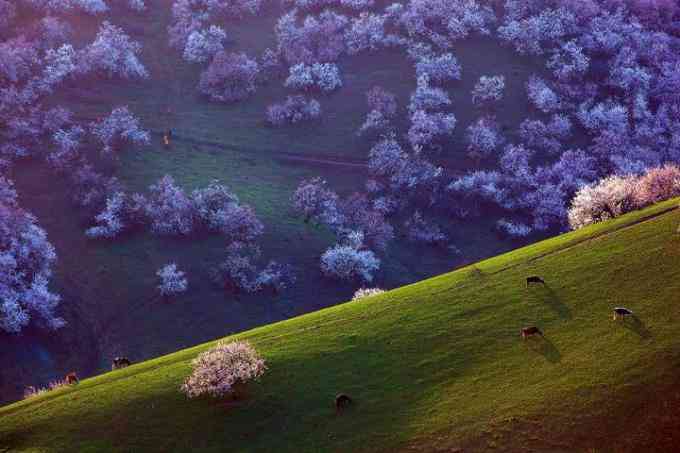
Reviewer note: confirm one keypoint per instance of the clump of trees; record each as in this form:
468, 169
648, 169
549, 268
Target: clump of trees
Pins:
617, 195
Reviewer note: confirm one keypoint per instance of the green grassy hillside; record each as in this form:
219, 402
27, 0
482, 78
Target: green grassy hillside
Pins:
432, 366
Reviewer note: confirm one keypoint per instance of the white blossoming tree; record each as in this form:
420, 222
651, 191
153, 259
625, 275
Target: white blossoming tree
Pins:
221, 370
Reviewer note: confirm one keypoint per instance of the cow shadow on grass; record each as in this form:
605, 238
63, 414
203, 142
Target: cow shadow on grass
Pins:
635, 325
544, 347
545, 294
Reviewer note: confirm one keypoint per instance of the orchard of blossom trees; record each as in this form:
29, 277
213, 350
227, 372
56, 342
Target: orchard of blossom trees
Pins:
36, 61
611, 82
602, 135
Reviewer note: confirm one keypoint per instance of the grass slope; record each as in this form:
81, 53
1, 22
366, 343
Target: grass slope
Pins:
432, 365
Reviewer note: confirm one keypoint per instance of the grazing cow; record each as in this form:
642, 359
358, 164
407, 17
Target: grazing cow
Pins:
621, 313
72, 378
535, 279
342, 401
530, 332
120, 362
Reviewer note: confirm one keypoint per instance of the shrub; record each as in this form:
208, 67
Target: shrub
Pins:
230, 77
172, 280
217, 371
366, 292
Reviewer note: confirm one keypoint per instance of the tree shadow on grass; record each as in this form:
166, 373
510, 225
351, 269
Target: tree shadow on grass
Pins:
635, 325
544, 347
548, 296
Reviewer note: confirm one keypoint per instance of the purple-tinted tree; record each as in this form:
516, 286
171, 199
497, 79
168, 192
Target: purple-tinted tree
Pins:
26, 260
426, 128
484, 137
546, 136
316, 202
426, 97
319, 76
113, 53
120, 127
202, 45
488, 90
219, 210
293, 110
230, 77
349, 261
319, 39
439, 68
542, 96
169, 209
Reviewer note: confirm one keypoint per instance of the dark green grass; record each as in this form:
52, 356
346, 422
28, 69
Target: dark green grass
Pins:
437, 363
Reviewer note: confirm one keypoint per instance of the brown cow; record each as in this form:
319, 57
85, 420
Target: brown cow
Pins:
530, 332
72, 378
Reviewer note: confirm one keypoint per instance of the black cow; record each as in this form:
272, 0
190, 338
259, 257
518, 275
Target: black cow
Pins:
530, 332
120, 362
342, 401
621, 313
535, 279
